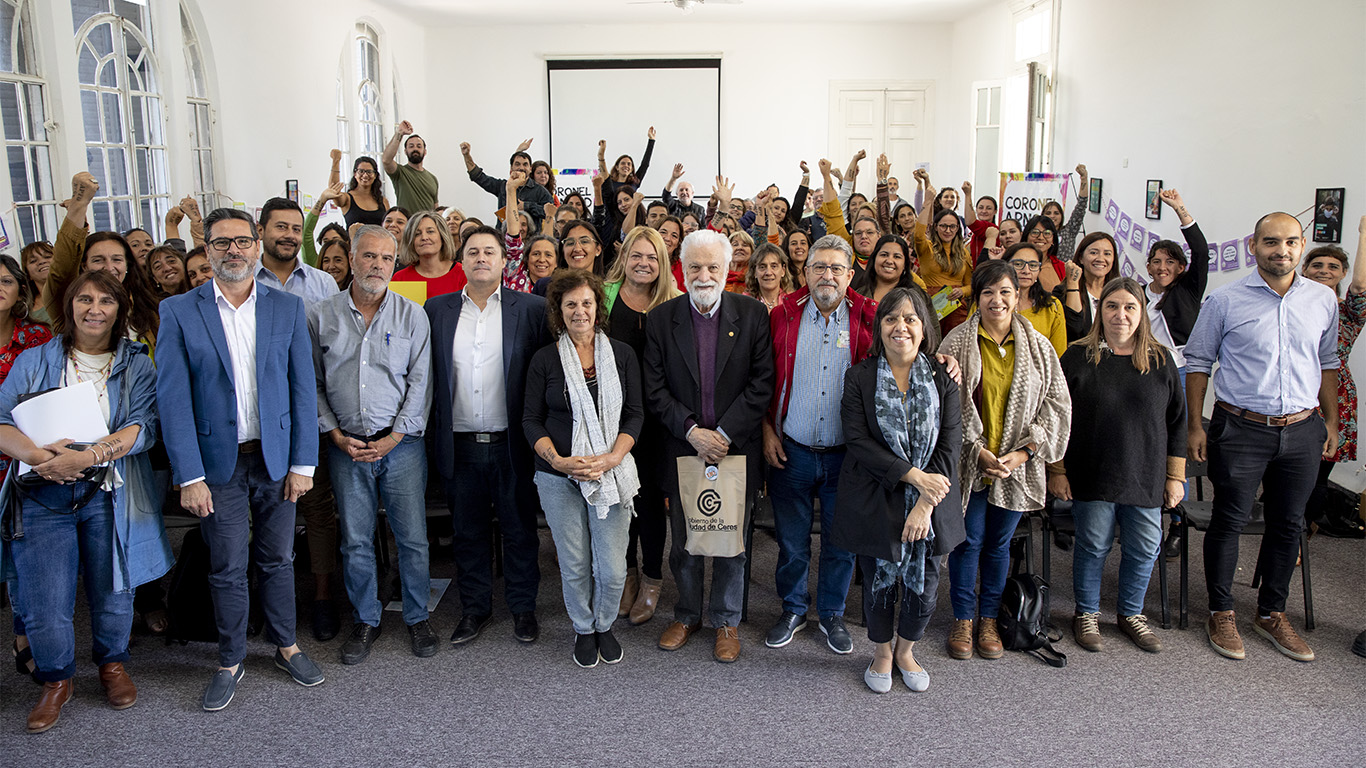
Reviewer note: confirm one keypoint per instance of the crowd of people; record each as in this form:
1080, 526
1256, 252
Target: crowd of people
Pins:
921, 378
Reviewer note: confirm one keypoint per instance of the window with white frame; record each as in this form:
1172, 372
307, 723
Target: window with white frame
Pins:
343, 123
23, 114
368, 92
121, 111
986, 138
201, 117
1031, 83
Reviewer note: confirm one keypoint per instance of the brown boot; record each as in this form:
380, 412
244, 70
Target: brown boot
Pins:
628, 595
676, 634
1277, 629
727, 645
989, 640
45, 713
118, 686
960, 639
647, 600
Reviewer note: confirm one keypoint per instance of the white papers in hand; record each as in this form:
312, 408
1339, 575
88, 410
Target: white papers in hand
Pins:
71, 413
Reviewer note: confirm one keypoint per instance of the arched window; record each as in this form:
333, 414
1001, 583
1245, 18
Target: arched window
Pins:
343, 123
368, 90
23, 113
201, 116
121, 109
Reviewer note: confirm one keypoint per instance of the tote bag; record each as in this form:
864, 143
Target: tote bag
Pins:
713, 509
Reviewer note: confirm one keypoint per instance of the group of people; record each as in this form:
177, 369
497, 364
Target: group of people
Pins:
922, 378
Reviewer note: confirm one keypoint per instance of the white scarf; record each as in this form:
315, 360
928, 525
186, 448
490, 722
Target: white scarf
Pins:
594, 436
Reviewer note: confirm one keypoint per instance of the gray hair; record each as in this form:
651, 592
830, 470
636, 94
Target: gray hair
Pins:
372, 230
703, 238
832, 243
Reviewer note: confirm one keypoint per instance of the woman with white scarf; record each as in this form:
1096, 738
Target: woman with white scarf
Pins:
583, 414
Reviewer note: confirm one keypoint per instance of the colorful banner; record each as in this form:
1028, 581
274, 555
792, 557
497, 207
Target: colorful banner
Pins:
1130, 234
571, 180
1023, 195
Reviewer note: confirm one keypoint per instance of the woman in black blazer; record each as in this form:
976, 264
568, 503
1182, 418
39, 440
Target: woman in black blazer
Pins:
899, 507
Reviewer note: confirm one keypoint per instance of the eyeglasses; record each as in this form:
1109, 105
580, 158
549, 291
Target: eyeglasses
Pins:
1021, 265
1041, 233
222, 244
948, 225
835, 270
582, 242
366, 173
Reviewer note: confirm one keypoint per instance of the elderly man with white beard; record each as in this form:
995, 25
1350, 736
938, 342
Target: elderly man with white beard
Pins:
709, 380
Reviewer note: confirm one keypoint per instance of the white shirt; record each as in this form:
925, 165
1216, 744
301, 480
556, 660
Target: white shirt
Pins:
1160, 330
480, 393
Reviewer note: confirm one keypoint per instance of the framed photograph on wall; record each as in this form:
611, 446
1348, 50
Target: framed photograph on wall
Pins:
1093, 199
1328, 214
1153, 206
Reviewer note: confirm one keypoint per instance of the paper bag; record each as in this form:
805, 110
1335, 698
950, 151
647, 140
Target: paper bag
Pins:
713, 509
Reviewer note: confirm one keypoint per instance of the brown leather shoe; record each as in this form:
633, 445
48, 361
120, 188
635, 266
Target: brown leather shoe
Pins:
676, 635
628, 594
118, 686
989, 640
45, 713
1277, 629
960, 639
1222, 628
646, 600
727, 645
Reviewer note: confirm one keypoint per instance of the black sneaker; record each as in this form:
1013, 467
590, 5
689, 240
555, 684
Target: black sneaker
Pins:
424, 639
469, 628
325, 622
609, 650
836, 636
525, 627
1171, 547
586, 650
788, 625
357, 646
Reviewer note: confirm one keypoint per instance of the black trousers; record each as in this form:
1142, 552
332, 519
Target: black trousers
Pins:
1285, 461
483, 484
879, 607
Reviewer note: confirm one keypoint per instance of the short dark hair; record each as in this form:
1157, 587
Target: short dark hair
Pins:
105, 282
412, 136
225, 214
920, 302
24, 302
1038, 297
334, 227
516, 155
138, 229
1329, 251
1171, 249
657, 204
483, 229
570, 226
1096, 237
400, 209
278, 204
989, 273
564, 281
1046, 223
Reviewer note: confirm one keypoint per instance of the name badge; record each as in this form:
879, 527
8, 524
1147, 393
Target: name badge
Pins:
842, 340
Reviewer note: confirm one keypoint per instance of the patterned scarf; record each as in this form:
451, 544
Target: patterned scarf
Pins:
596, 425
911, 426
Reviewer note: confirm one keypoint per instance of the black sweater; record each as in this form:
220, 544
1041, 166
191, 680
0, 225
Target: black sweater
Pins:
1124, 426
548, 414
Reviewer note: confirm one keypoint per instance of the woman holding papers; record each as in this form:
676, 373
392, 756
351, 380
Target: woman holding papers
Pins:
90, 507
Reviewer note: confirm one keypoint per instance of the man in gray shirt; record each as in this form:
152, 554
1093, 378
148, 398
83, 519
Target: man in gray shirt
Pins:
371, 354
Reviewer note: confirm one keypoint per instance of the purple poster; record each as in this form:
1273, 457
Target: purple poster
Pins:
1125, 227
1136, 240
1228, 255
1112, 214
1126, 267
1152, 240
1248, 258
1214, 257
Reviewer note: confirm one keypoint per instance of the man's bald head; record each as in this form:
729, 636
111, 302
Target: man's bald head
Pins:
1279, 217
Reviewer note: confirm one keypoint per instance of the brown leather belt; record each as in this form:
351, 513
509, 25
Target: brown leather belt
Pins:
1270, 421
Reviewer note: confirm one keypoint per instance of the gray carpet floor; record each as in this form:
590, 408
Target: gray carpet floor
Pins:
497, 702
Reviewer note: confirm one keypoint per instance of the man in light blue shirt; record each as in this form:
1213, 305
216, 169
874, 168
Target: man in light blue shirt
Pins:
1274, 335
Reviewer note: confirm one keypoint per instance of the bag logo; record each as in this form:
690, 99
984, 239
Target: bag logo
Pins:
709, 502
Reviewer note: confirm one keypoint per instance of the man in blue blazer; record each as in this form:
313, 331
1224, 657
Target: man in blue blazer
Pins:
238, 403
483, 338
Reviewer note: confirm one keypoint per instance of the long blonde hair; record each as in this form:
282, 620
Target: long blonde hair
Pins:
664, 287
1147, 348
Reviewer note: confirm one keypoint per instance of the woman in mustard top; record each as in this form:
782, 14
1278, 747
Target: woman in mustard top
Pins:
946, 263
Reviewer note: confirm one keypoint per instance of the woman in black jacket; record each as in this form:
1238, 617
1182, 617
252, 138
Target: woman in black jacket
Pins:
899, 507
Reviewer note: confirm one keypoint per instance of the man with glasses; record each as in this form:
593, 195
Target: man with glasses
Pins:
238, 404
818, 333
415, 187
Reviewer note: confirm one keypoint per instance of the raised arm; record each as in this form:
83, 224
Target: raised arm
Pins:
1359, 266
512, 221
644, 166
969, 205
721, 192
602, 156
851, 173
173, 218
832, 212
387, 158
927, 207
629, 223
190, 206
334, 175
884, 196
673, 179
1067, 238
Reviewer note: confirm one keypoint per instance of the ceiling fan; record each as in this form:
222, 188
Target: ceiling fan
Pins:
686, 6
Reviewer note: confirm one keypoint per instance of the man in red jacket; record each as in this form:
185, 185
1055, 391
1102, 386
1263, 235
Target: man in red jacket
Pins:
818, 332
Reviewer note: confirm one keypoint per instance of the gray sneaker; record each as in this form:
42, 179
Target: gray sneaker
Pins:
301, 668
836, 636
221, 688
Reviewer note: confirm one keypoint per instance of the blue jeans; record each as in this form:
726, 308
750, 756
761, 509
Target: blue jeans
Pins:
989, 530
808, 474
592, 552
57, 544
1140, 538
400, 478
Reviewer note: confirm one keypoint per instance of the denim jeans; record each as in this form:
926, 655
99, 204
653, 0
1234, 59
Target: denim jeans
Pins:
989, 530
592, 552
400, 479
806, 475
57, 544
1140, 538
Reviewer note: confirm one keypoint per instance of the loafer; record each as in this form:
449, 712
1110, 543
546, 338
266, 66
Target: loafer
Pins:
788, 625
48, 710
325, 622
918, 681
469, 628
525, 627
676, 635
424, 639
222, 687
301, 668
609, 650
586, 650
119, 690
357, 646
836, 635
877, 682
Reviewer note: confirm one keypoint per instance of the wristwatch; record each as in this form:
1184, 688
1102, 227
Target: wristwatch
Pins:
1028, 451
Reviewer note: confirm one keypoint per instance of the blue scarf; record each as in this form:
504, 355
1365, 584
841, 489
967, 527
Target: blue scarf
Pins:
911, 426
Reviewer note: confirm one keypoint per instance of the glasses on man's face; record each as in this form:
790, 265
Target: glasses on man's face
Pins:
222, 244
1021, 265
835, 270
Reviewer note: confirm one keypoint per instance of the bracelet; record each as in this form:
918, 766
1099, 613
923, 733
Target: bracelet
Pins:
395, 439
1074, 290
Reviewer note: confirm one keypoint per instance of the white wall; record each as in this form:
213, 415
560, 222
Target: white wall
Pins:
774, 92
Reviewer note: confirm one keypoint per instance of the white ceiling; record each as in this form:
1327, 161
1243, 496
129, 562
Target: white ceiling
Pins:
663, 11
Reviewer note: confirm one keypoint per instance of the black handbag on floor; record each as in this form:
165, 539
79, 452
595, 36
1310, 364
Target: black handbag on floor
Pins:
1021, 620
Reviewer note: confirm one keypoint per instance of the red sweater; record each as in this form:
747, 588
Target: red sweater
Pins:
785, 322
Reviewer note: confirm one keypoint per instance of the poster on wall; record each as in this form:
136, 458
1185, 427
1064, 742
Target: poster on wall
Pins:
1023, 195
571, 180
1153, 209
1328, 215
1093, 201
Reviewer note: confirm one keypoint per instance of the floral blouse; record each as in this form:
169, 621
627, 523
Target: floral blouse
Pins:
26, 335
1351, 319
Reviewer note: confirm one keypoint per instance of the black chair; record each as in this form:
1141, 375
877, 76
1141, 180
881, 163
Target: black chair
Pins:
1057, 518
